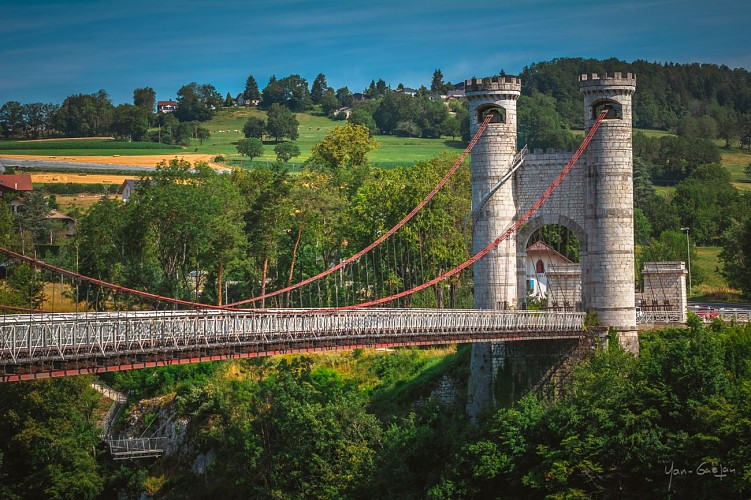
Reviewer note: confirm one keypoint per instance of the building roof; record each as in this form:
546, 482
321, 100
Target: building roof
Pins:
538, 247
131, 183
166, 103
16, 182
56, 215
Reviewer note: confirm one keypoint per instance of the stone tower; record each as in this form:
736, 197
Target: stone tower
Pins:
608, 265
595, 202
491, 159
495, 275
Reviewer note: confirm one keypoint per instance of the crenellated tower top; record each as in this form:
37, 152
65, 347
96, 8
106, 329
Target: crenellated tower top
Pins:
510, 84
594, 83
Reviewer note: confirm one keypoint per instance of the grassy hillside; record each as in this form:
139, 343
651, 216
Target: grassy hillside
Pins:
226, 129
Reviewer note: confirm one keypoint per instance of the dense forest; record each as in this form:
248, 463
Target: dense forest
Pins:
364, 425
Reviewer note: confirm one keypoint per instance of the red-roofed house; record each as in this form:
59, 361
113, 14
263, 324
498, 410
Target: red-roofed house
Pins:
15, 183
166, 106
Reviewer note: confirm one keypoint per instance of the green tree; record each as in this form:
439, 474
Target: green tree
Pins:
343, 147
229, 101
145, 98
329, 103
361, 116
251, 147
281, 123
345, 97
7, 229
49, 434
318, 88
202, 134
254, 127
266, 195
196, 102
744, 130
103, 244
707, 201
736, 255
86, 115
130, 122
251, 92
184, 218
32, 218
291, 92
432, 118
39, 119
540, 125
285, 151
436, 84
394, 109
27, 284
11, 119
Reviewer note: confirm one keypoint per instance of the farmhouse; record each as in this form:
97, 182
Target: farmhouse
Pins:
127, 188
166, 106
15, 183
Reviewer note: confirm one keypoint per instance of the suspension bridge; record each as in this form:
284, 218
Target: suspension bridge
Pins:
137, 329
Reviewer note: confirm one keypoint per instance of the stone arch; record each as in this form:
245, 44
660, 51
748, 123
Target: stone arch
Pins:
499, 113
572, 299
614, 108
535, 223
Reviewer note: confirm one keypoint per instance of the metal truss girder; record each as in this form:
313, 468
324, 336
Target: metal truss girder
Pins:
93, 337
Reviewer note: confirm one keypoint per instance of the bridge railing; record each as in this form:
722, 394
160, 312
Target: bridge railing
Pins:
729, 315
31, 337
123, 447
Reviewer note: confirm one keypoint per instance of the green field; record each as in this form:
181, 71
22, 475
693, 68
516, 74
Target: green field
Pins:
226, 129
652, 133
736, 160
714, 286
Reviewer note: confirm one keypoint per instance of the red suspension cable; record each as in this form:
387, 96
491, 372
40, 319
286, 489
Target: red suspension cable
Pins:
523, 219
448, 274
387, 234
111, 286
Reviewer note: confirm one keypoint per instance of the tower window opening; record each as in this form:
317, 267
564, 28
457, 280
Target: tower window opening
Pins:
499, 114
614, 110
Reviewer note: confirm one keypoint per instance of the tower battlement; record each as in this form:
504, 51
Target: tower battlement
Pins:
593, 82
493, 83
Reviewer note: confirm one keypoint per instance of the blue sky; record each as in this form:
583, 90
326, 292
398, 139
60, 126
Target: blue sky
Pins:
50, 49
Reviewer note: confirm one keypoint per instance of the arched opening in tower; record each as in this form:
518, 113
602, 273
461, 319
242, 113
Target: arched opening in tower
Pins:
498, 112
553, 269
613, 108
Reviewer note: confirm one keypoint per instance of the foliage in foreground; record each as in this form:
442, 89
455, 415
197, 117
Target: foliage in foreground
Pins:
653, 426
358, 426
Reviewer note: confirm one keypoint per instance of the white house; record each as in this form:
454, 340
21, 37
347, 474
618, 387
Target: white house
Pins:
540, 258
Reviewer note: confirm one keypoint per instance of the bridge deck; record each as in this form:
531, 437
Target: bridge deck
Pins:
45, 345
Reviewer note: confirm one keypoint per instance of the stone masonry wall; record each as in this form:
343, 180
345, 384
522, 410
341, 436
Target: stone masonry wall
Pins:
495, 274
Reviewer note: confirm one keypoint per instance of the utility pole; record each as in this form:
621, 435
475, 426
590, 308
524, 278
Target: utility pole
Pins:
688, 255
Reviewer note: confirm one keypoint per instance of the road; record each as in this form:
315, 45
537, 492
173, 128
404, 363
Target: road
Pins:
45, 164
727, 306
